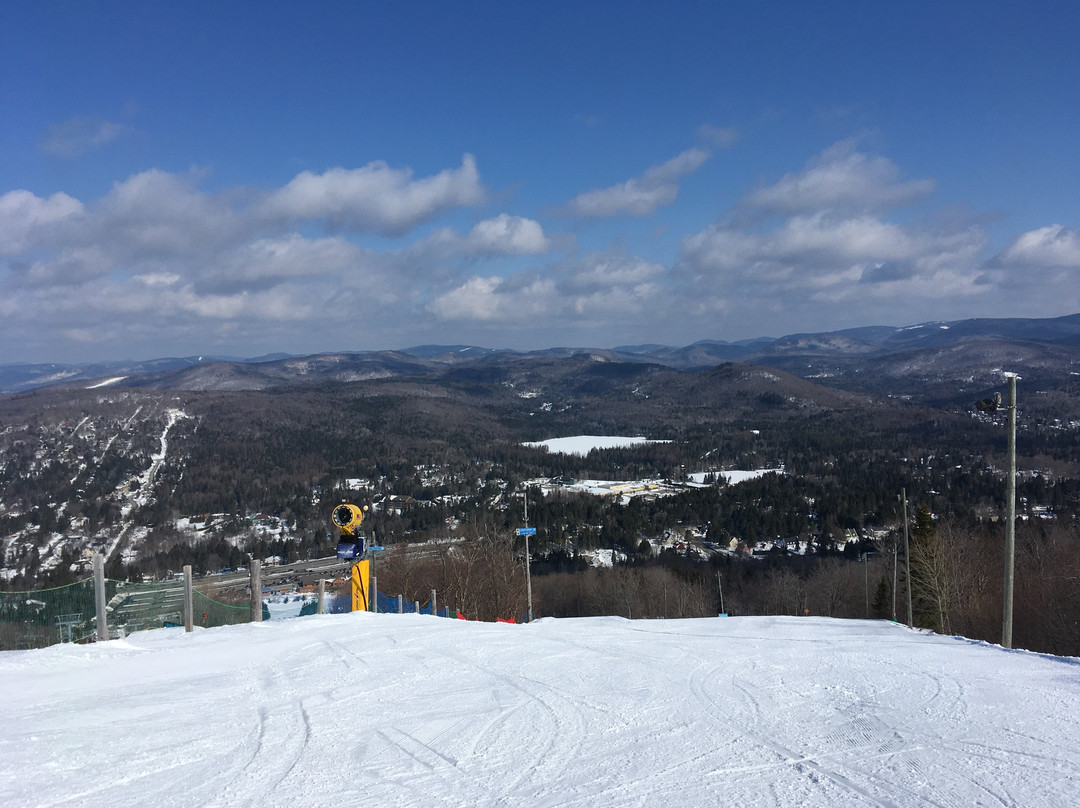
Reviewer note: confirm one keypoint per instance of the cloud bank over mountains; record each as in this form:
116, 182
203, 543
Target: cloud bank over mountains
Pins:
381, 256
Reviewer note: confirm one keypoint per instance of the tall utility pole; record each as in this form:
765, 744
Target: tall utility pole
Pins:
907, 558
1010, 522
866, 580
894, 578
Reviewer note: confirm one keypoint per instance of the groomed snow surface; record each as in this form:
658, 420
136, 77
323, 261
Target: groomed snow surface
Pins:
404, 710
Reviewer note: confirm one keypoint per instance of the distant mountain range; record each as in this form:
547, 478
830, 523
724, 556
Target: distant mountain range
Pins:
883, 359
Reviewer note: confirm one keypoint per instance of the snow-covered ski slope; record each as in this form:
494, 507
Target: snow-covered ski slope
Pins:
404, 710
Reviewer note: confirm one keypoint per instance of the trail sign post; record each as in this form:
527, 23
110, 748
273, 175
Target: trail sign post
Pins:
526, 532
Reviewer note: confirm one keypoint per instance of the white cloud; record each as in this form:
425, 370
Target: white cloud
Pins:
68, 266
158, 279
158, 260
498, 237
840, 178
476, 299
822, 257
273, 304
1052, 246
829, 243
156, 224
286, 257
81, 134
810, 240
642, 195
156, 213
721, 136
508, 235
158, 249
27, 219
374, 198
600, 290
600, 271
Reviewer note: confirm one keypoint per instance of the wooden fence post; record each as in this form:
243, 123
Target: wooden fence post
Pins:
256, 591
99, 597
189, 609
322, 595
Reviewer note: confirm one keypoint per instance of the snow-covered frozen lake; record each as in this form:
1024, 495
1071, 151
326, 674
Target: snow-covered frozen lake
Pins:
733, 477
395, 710
583, 444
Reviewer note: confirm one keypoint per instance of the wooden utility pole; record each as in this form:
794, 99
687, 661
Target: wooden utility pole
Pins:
1010, 522
907, 558
894, 578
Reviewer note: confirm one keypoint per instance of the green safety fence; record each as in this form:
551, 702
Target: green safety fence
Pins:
42, 617
136, 607
132, 607
209, 612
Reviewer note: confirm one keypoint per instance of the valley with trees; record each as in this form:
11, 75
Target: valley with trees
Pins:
158, 474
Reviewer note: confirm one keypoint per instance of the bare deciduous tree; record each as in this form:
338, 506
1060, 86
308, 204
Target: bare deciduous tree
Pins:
482, 576
931, 582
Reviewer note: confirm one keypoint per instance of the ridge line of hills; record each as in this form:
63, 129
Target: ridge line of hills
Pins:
944, 352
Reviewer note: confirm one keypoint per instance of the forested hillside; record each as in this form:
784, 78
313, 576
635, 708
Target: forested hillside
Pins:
159, 478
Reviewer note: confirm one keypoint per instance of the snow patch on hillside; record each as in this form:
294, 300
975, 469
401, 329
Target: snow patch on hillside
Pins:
106, 382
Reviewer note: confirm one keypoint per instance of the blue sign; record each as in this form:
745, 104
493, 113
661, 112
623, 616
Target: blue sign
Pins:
350, 550
526, 531
373, 549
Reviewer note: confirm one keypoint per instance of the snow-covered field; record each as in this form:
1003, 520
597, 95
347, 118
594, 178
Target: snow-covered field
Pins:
402, 710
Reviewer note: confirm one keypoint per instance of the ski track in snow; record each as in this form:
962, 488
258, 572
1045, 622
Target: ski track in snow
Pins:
396, 710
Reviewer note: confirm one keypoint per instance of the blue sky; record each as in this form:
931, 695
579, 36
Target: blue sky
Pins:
248, 177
